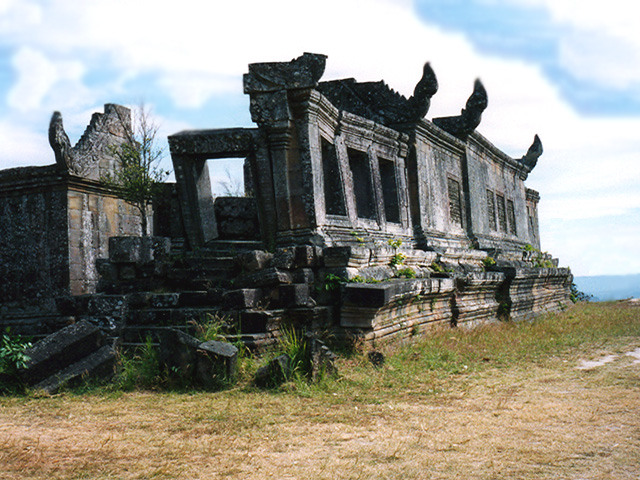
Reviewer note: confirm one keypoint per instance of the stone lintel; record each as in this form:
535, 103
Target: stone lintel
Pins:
215, 143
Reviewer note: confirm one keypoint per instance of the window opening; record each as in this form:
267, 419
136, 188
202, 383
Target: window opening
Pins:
511, 215
491, 210
389, 190
227, 177
455, 204
362, 188
502, 215
333, 192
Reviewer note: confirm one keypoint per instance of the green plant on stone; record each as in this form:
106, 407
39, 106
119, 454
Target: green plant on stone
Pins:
436, 267
395, 243
12, 359
137, 177
397, 258
439, 268
541, 259
357, 237
488, 262
360, 279
12, 356
407, 272
331, 282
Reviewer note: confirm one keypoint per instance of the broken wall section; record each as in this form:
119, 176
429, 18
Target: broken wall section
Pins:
55, 221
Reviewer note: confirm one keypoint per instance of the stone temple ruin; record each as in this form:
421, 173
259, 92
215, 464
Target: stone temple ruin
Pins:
361, 218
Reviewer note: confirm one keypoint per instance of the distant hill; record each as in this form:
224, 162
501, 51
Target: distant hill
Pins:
610, 287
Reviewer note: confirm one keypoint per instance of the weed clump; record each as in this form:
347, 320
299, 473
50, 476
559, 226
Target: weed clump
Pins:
12, 359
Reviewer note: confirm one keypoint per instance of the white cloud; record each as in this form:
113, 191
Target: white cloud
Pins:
601, 57
22, 146
17, 17
38, 76
597, 42
193, 89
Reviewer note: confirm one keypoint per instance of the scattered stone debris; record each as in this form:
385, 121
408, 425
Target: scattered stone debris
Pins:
321, 358
274, 373
189, 361
73, 354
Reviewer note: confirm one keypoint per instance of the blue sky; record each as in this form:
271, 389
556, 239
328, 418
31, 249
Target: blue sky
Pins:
566, 70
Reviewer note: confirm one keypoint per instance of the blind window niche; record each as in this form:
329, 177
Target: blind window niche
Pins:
333, 192
455, 201
502, 214
491, 211
362, 187
389, 190
511, 217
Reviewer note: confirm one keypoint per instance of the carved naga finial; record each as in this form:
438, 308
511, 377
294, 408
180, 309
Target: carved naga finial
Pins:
530, 159
476, 104
60, 143
426, 88
470, 116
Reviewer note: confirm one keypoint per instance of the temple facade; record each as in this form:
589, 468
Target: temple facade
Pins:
360, 217
338, 157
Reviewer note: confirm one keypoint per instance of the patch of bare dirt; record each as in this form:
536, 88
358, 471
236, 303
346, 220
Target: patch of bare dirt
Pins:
556, 420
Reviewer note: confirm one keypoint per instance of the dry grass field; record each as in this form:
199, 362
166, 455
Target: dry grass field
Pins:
507, 401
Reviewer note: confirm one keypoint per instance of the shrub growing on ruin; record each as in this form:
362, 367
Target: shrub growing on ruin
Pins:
137, 176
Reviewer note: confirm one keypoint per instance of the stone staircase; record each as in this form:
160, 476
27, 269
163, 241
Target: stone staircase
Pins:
146, 293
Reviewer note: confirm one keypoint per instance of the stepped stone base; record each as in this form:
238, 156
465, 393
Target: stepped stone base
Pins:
349, 291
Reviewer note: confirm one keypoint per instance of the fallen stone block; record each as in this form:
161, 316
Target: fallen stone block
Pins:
274, 373
217, 362
201, 364
321, 358
61, 349
96, 366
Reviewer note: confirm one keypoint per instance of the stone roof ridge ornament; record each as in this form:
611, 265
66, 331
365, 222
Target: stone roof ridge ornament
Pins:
530, 159
302, 72
470, 116
93, 154
59, 141
379, 102
419, 103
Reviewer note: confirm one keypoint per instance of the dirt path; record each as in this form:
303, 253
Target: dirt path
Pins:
561, 419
